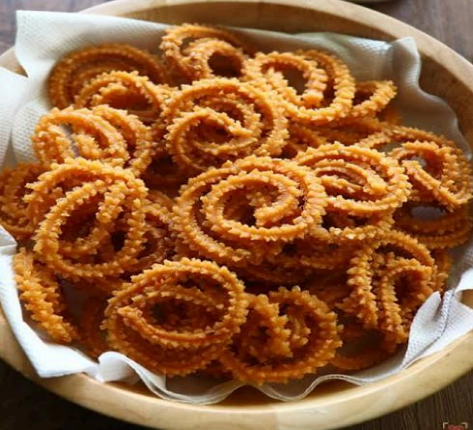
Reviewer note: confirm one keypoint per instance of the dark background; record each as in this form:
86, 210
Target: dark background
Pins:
25, 406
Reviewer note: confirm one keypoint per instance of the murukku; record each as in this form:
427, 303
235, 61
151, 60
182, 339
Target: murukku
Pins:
200, 52
118, 194
77, 68
290, 207
361, 184
338, 95
443, 173
433, 226
42, 297
300, 336
390, 278
371, 98
278, 70
93, 137
125, 90
217, 120
13, 188
142, 320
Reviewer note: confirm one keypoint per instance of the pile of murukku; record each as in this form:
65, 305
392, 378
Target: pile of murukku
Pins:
231, 213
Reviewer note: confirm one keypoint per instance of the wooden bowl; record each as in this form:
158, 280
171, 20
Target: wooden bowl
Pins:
333, 405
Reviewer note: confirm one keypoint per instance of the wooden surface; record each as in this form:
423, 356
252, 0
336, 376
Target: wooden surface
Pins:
24, 405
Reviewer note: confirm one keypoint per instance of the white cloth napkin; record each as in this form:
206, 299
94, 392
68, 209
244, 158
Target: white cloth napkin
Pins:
43, 38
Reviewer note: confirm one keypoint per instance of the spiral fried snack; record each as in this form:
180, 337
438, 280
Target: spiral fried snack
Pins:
219, 119
125, 90
200, 52
13, 187
207, 219
108, 194
371, 98
299, 336
79, 67
448, 230
361, 183
390, 278
42, 297
445, 174
92, 136
271, 69
329, 87
177, 317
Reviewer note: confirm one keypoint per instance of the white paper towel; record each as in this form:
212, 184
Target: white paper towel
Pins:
45, 37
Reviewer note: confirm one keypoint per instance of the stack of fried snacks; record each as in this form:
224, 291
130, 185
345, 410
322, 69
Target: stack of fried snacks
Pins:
239, 214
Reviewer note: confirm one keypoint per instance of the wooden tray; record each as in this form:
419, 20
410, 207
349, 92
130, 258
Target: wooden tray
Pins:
333, 405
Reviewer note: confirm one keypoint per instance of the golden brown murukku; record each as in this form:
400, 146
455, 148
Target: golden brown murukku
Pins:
92, 136
371, 98
76, 69
125, 90
364, 188
217, 120
437, 228
443, 173
300, 336
200, 52
290, 207
13, 188
143, 320
114, 193
390, 278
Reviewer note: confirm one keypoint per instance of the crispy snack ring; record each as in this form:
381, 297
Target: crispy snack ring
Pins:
220, 119
373, 97
291, 208
445, 175
214, 291
390, 278
390, 136
268, 70
306, 342
359, 181
193, 60
42, 297
13, 187
77, 68
115, 193
93, 137
340, 86
364, 188
125, 90
448, 230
